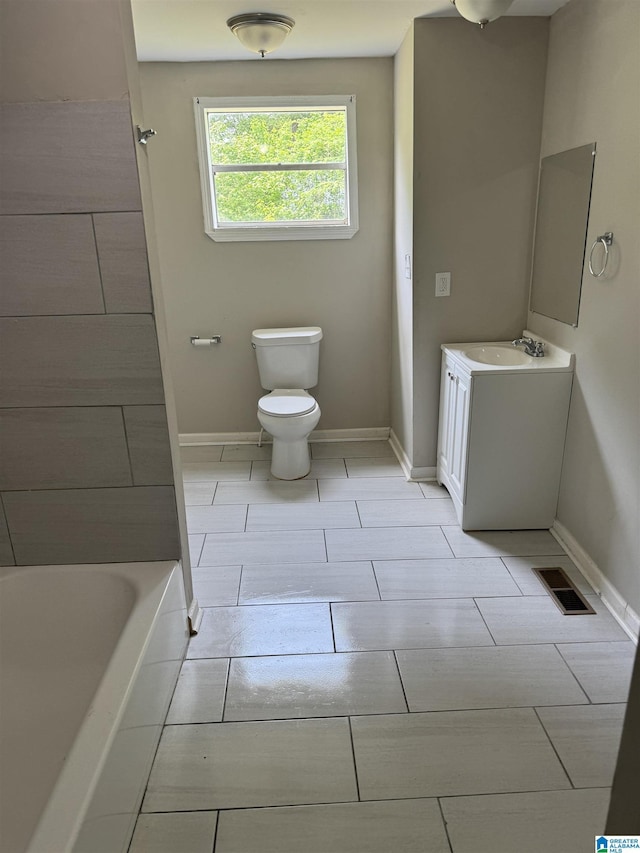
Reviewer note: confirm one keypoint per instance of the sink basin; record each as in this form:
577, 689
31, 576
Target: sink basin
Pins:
498, 355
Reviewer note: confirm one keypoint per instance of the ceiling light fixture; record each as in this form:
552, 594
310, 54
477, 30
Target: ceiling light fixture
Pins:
261, 32
482, 11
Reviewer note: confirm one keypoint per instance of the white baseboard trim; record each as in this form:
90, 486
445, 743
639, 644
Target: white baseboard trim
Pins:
195, 617
622, 612
412, 474
194, 439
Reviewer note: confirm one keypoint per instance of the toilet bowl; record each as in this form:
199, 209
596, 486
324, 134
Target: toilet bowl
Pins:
289, 415
288, 364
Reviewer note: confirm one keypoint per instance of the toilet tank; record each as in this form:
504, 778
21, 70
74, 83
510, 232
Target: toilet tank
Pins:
287, 358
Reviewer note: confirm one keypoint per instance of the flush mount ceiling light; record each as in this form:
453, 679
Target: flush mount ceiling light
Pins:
482, 11
261, 32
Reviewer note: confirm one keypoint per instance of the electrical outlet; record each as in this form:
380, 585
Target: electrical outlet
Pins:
443, 284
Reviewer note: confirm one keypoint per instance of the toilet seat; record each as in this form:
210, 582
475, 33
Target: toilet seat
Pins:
287, 403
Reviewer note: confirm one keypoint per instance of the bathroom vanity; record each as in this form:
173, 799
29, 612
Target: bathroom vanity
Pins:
503, 419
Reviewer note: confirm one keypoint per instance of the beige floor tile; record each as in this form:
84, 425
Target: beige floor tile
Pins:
406, 513
501, 543
330, 685
386, 543
201, 453
603, 669
272, 629
526, 823
216, 519
586, 739
327, 468
216, 586
240, 765
196, 543
199, 693
267, 491
187, 832
453, 752
447, 578
306, 516
536, 619
521, 569
199, 494
350, 449
404, 826
375, 625
289, 546
376, 467
308, 582
495, 677
431, 489
368, 489
205, 472
244, 452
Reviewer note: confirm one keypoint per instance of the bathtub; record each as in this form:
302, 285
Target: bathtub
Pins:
89, 658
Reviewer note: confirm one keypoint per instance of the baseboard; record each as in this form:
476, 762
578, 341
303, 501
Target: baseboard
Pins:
622, 612
412, 474
195, 439
192, 439
195, 617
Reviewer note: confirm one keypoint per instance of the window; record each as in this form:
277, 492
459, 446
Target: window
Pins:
278, 168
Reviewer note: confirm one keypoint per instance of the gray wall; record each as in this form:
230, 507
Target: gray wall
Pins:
231, 288
624, 815
478, 98
593, 81
86, 472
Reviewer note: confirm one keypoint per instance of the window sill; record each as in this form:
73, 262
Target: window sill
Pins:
282, 232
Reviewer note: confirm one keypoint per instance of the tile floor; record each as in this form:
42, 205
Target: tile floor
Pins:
370, 679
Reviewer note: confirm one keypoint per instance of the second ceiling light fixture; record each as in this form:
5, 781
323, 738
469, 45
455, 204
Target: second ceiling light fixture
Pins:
482, 11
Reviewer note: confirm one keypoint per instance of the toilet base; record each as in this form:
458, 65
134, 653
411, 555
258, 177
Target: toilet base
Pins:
290, 460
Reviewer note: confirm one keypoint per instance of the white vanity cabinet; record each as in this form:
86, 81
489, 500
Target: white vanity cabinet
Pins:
501, 438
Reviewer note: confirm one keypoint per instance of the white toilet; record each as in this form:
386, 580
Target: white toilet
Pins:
288, 365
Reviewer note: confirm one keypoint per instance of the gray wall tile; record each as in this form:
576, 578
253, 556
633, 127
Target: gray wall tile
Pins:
6, 551
75, 361
48, 266
62, 448
122, 250
148, 439
93, 525
68, 157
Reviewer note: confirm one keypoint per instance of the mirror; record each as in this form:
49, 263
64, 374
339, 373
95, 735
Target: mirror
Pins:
564, 193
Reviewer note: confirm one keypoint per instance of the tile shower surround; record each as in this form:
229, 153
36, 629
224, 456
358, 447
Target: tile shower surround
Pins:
388, 703
86, 473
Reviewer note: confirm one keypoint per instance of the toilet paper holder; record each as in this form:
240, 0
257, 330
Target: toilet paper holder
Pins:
197, 341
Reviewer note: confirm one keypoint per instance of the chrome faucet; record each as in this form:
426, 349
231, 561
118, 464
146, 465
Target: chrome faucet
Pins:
531, 347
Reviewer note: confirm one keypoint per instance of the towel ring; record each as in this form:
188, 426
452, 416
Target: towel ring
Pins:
606, 239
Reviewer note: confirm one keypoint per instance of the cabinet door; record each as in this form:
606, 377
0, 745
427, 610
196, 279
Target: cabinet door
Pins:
459, 432
445, 426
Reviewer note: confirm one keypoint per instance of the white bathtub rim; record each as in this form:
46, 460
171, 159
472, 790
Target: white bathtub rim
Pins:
62, 818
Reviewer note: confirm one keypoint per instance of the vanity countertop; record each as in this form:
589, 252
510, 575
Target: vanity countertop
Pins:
555, 359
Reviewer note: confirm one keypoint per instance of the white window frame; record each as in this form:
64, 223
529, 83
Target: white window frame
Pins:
277, 231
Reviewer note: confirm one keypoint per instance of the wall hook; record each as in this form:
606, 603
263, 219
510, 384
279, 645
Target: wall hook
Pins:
144, 135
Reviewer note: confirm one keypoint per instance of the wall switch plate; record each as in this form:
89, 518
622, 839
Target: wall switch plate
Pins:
407, 266
443, 284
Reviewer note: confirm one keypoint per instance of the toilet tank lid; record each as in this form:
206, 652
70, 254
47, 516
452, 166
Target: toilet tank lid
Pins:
284, 337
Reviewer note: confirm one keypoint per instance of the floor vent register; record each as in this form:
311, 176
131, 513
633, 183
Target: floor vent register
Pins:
563, 592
